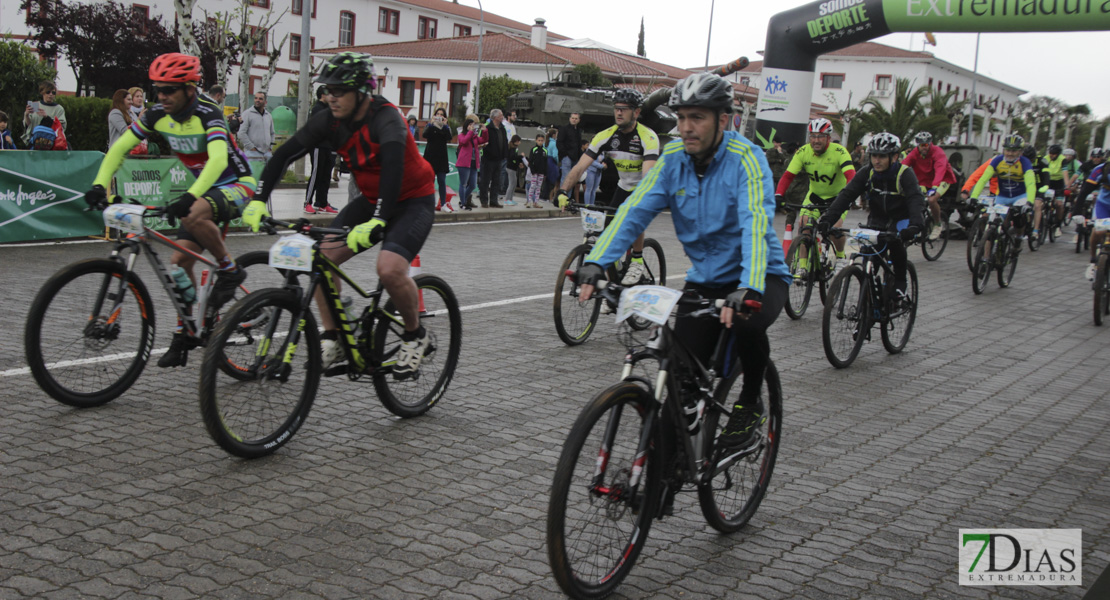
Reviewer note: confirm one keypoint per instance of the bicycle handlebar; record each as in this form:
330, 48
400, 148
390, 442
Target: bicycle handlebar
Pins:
304, 226
597, 207
611, 292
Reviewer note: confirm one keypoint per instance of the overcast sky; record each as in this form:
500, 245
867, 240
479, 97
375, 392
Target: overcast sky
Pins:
1062, 65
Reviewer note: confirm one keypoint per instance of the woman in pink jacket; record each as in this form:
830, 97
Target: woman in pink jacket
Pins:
472, 137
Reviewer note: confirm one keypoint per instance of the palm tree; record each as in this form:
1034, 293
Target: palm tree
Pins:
906, 110
940, 111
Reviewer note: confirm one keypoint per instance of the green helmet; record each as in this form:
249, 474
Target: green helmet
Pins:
352, 70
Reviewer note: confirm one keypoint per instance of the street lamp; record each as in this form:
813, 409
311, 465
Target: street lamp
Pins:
481, 36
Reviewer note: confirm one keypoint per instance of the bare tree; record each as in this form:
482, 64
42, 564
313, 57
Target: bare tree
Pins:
249, 37
271, 66
185, 38
221, 42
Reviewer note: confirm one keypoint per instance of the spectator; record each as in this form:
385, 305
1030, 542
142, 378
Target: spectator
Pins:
137, 102
43, 135
493, 160
537, 167
593, 177
37, 111
777, 159
506, 177
438, 134
323, 160
857, 156
552, 177
412, 126
256, 135
512, 163
471, 137
120, 117
6, 142
569, 144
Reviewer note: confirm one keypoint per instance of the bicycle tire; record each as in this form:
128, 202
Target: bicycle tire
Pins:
974, 235
574, 321
1052, 224
727, 503
1008, 260
846, 320
1102, 295
981, 273
1035, 241
897, 324
827, 259
441, 318
108, 358
254, 416
932, 249
589, 493
1080, 234
656, 265
801, 288
261, 277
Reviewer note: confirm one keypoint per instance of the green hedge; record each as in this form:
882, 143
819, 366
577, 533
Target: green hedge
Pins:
86, 122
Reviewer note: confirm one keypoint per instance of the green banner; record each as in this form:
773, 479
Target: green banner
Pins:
995, 15
42, 195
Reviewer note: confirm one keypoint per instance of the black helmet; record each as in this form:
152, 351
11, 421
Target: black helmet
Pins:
628, 96
1013, 142
1055, 149
1030, 152
884, 143
702, 89
352, 70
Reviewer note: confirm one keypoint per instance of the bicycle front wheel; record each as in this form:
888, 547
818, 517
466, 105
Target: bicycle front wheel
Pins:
260, 275
440, 317
800, 261
898, 322
932, 249
605, 494
846, 320
574, 320
656, 267
89, 333
260, 408
974, 238
1102, 293
1007, 253
730, 494
981, 273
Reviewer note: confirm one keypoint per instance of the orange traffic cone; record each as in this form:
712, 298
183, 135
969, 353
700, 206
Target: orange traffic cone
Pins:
414, 270
787, 238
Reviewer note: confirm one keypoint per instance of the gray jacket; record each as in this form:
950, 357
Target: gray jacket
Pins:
117, 125
257, 131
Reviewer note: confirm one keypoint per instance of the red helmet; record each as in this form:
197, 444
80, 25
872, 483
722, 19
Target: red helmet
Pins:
175, 68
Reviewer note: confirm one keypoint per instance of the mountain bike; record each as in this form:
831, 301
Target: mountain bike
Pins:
272, 334
863, 294
574, 320
811, 261
90, 330
1101, 285
932, 249
999, 246
652, 435
1049, 222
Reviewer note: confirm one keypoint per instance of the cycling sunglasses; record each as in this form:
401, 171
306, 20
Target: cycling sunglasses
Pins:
166, 90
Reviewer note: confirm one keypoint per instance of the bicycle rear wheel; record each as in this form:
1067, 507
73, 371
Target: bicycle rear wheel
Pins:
89, 333
974, 237
574, 320
1102, 293
1007, 259
932, 249
656, 266
259, 409
605, 493
846, 320
801, 288
730, 494
440, 317
898, 323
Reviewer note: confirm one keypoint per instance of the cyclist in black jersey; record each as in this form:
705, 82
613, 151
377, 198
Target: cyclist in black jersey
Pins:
196, 131
397, 204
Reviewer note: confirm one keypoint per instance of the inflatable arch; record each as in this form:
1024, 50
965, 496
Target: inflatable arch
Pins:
796, 38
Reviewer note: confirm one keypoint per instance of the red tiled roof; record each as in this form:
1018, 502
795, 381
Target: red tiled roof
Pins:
473, 13
496, 47
874, 49
622, 64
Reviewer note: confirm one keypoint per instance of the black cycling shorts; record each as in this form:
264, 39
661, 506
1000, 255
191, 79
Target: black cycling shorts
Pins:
618, 198
226, 202
406, 231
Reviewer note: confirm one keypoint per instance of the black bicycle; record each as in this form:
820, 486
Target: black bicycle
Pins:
931, 249
863, 294
256, 412
1101, 285
90, 330
574, 320
1050, 221
812, 262
998, 248
648, 437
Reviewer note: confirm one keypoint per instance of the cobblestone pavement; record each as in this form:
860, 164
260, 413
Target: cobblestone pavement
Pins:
994, 416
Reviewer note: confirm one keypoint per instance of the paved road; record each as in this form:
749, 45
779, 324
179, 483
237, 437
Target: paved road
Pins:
995, 416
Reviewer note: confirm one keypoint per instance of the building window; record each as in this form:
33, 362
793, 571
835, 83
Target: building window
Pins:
298, 6
459, 90
882, 82
255, 86
142, 16
260, 47
346, 28
260, 3
408, 92
295, 45
833, 81
425, 28
428, 98
388, 20
461, 31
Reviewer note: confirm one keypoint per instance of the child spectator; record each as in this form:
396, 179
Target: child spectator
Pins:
6, 142
537, 167
512, 164
43, 136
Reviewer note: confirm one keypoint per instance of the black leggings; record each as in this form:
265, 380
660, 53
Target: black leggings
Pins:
749, 337
896, 252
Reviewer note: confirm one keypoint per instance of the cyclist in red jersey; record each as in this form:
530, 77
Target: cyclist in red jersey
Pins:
397, 202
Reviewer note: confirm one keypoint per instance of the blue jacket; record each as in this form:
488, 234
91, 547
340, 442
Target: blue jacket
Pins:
723, 220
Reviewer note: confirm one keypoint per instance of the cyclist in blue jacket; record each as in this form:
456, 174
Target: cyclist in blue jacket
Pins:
718, 187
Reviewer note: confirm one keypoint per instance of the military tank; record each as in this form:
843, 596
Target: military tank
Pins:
549, 104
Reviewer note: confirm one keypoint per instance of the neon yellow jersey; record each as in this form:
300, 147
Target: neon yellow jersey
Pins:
826, 171
1055, 168
628, 151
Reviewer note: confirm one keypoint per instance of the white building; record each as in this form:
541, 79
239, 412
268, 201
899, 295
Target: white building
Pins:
869, 69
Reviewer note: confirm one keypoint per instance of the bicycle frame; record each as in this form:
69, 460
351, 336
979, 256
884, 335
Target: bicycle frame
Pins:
876, 266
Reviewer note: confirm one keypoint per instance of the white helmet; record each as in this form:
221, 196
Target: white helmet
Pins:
820, 126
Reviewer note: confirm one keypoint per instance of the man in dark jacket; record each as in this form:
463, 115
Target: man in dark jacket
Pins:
323, 160
493, 161
569, 144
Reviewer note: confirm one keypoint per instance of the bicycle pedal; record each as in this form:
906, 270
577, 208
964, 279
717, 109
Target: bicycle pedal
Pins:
335, 370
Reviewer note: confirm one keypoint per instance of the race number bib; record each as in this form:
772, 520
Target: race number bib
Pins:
293, 252
652, 302
125, 217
